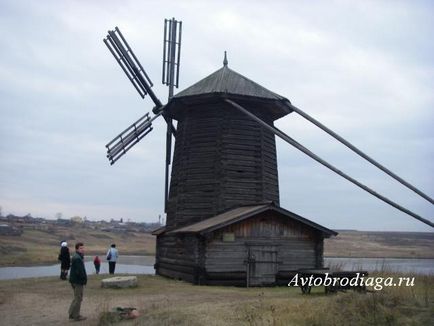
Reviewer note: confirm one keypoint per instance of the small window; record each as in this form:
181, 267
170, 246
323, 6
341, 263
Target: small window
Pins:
228, 237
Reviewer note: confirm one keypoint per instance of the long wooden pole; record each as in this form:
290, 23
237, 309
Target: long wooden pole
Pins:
359, 152
300, 147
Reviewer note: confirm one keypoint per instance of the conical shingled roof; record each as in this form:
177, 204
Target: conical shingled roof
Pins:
227, 83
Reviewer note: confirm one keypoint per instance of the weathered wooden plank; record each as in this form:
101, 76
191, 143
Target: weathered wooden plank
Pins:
176, 274
226, 255
165, 261
226, 275
224, 268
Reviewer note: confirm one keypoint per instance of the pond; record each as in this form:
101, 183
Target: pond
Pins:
125, 265
419, 266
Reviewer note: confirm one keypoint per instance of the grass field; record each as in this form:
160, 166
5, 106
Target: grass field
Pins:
42, 246
160, 301
381, 244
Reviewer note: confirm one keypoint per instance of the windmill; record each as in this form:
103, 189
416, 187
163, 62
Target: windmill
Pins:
129, 63
224, 223
246, 97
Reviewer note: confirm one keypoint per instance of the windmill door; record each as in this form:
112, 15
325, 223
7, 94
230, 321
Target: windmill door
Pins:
261, 265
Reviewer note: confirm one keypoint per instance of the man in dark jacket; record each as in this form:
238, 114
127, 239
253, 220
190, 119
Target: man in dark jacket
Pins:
78, 279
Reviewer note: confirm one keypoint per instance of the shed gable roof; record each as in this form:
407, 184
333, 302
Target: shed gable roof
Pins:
241, 213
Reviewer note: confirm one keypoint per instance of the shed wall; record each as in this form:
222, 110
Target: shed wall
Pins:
292, 246
177, 257
263, 250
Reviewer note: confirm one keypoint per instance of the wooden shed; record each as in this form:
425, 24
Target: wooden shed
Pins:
224, 224
250, 245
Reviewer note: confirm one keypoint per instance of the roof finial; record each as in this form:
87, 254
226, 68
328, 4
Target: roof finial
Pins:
225, 60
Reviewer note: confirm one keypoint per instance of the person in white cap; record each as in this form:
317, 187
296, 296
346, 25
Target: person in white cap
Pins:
65, 260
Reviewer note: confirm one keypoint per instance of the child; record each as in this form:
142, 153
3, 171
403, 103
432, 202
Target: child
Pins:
97, 263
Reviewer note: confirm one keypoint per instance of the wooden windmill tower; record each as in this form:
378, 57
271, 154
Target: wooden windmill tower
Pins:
222, 159
224, 222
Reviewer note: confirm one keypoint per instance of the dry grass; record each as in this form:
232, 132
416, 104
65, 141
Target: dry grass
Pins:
41, 247
380, 245
286, 306
390, 306
169, 302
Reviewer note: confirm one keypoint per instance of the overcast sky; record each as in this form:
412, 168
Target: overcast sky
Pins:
363, 68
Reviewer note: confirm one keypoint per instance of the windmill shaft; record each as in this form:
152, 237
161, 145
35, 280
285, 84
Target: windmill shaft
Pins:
170, 77
168, 161
300, 147
360, 153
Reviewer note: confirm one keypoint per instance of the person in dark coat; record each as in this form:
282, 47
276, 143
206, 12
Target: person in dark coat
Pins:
78, 279
65, 260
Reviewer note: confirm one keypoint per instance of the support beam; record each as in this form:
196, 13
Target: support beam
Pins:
360, 153
303, 149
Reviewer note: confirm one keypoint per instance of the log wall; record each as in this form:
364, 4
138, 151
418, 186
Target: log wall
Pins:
222, 159
295, 245
212, 259
178, 257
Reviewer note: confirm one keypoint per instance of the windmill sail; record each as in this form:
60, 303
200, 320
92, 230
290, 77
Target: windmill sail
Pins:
126, 58
123, 142
171, 53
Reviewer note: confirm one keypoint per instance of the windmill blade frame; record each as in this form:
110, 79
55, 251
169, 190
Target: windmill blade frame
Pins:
123, 142
129, 63
125, 57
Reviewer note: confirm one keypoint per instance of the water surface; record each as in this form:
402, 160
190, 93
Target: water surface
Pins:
419, 266
145, 265
125, 265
